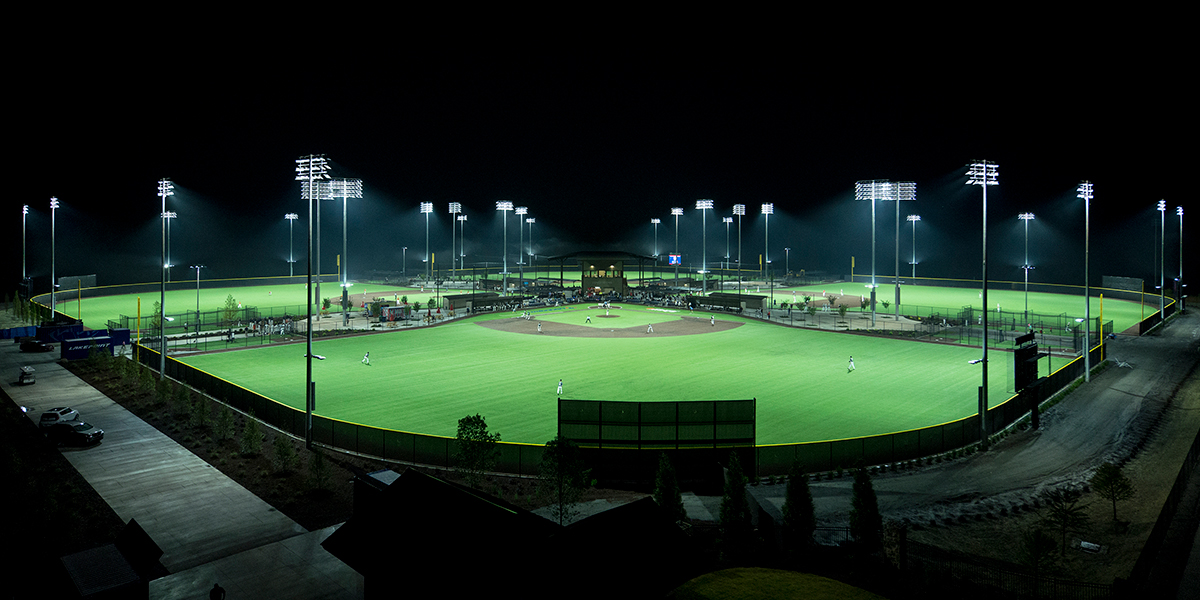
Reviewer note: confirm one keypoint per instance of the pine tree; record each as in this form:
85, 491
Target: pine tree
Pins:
735, 510
1111, 484
866, 523
799, 512
1064, 514
666, 489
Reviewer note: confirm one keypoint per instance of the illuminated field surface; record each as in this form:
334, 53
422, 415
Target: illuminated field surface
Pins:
424, 380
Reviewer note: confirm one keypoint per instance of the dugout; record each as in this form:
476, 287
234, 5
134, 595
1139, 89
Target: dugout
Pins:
729, 301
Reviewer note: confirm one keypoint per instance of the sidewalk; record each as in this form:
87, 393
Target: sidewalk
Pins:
211, 529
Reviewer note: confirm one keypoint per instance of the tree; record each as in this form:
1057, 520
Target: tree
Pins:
1036, 550
476, 452
1111, 484
866, 523
251, 443
155, 319
842, 312
864, 304
799, 511
735, 510
666, 489
224, 429
885, 304
1064, 514
562, 478
318, 470
230, 310
285, 455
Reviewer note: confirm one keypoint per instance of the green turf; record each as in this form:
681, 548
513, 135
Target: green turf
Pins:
97, 311
424, 380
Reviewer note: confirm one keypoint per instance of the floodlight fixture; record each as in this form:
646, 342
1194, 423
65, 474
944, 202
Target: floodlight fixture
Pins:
913, 219
311, 170
504, 206
983, 174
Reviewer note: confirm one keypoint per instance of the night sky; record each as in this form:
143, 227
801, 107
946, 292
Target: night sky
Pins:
596, 144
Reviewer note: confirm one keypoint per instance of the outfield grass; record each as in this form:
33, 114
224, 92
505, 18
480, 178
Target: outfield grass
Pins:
423, 380
97, 311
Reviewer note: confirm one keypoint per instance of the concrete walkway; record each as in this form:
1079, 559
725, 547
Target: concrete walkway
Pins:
211, 529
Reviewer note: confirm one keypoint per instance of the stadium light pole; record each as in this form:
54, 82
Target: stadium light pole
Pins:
1162, 262
462, 242
345, 188
170, 214
768, 209
25, 215
455, 209
676, 212
427, 209
740, 211
53, 259
504, 206
704, 206
520, 211
531, 221
901, 191
165, 188
1027, 217
197, 268
983, 174
655, 223
1085, 192
727, 221
321, 190
873, 190
291, 219
1179, 211
913, 219
309, 170
787, 260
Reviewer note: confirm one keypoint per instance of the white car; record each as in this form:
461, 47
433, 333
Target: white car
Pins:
58, 415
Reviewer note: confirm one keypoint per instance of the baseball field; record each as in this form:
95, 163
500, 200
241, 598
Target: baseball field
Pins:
503, 367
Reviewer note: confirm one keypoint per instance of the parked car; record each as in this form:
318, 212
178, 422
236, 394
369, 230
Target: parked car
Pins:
55, 416
36, 346
74, 433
